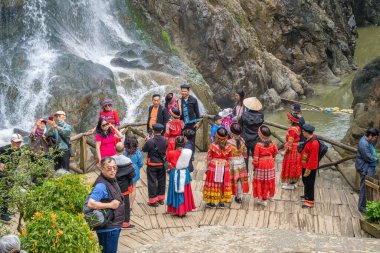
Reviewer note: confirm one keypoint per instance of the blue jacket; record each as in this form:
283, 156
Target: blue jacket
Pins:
65, 132
364, 156
137, 160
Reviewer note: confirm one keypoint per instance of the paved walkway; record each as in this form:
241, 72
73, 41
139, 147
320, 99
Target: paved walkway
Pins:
335, 212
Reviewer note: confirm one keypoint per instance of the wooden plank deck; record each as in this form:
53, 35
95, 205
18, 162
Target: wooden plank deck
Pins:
335, 211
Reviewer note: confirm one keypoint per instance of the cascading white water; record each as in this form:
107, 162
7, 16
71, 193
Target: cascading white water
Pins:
89, 29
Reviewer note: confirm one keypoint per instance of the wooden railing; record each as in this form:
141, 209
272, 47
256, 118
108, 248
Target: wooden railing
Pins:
204, 138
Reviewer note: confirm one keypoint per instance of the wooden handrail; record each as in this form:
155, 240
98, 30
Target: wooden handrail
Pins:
129, 127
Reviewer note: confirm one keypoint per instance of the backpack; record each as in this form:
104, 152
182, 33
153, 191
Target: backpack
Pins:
99, 218
322, 148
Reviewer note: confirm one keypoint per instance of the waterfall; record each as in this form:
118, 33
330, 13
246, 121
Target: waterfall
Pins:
90, 30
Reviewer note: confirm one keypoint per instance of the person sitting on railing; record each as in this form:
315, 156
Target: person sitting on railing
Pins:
105, 139
110, 115
366, 161
157, 114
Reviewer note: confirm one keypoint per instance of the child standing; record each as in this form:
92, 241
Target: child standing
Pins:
264, 177
217, 187
124, 177
226, 115
173, 128
239, 175
133, 152
180, 198
217, 124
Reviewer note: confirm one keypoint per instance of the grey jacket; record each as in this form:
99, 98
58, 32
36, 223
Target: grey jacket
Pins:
364, 156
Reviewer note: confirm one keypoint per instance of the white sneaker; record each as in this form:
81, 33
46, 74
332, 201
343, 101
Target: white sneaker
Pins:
264, 203
295, 186
288, 187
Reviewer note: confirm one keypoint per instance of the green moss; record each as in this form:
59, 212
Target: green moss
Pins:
151, 32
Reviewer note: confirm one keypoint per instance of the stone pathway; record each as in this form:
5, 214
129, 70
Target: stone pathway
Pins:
243, 239
335, 213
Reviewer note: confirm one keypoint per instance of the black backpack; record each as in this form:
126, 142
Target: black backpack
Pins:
322, 148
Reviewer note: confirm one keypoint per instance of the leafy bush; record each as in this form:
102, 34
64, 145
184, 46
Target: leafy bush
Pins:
66, 193
372, 212
50, 231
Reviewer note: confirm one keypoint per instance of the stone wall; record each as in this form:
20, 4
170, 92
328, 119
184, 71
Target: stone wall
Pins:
366, 91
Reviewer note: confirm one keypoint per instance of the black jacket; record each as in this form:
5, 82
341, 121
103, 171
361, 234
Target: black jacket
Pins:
162, 117
114, 192
124, 176
192, 108
251, 121
154, 158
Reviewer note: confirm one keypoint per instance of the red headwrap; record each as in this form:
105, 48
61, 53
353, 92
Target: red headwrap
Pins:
292, 118
263, 137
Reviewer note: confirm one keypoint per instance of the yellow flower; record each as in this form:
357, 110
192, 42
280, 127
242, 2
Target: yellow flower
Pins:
37, 214
53, 216
91, 236
81, 215
60, 232
23, 232
53, 225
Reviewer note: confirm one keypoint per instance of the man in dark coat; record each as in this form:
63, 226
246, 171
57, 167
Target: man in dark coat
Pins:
156, 149
157, 114
366, 161
106, 194
250, 121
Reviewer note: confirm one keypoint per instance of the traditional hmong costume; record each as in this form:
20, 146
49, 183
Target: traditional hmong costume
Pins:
180, 198
217, 187
173, 130
238, 171
310, 164
291, 165
264, 176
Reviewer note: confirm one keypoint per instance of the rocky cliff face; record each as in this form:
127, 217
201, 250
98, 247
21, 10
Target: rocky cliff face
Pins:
259, 45
366, 90
367, 12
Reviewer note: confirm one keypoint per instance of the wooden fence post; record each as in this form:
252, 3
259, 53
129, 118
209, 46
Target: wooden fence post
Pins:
206, 136
83, 154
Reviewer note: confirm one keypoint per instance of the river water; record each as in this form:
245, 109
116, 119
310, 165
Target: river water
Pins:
332, 125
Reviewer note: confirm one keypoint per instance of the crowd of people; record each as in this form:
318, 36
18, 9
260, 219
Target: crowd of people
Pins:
237, 135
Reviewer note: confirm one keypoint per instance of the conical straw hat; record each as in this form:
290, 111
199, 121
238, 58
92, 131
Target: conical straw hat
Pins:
252, 103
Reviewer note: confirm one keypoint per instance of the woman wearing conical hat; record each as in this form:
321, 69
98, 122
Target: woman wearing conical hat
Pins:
291, 165
250, 121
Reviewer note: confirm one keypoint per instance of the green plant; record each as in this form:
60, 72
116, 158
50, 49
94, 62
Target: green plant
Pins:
50, 231
66, 193
24, 170
372, 212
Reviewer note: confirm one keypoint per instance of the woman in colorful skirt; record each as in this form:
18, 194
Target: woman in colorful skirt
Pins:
173, 128
264, 176
238, 171
180, 198
291, 165
217, 188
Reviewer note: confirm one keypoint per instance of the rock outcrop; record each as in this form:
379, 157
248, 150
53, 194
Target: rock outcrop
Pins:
259, 45
367, 12
366, 91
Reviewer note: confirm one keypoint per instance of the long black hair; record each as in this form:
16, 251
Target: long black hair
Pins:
168, 98
241, 94
100, 131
